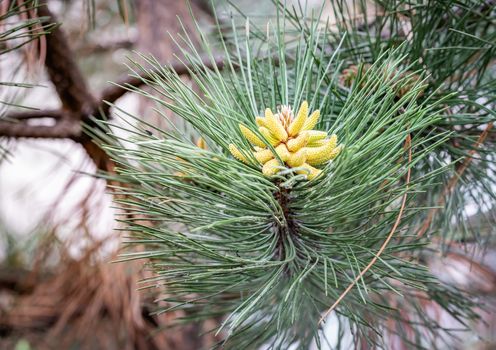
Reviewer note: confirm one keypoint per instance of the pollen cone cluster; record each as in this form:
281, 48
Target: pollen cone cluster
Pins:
295, 143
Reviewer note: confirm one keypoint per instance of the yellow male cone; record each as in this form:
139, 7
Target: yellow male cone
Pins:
297, 124
295, 143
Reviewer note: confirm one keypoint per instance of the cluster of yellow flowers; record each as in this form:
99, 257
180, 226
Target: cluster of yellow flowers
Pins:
293, 139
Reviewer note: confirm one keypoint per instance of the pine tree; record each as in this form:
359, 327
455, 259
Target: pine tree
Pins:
313, 172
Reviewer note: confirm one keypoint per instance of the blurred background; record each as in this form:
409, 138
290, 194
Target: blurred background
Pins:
59, 285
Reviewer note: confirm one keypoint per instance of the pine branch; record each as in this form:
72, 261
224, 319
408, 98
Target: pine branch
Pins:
283, 246
272, 250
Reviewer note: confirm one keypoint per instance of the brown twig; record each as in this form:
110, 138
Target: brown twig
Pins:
454, 179
63, 129
63, 70
38, 114
386, 242
97, 48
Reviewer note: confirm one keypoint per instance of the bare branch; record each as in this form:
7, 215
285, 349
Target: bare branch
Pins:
52, 114
63, 70
103, 47
63, 129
